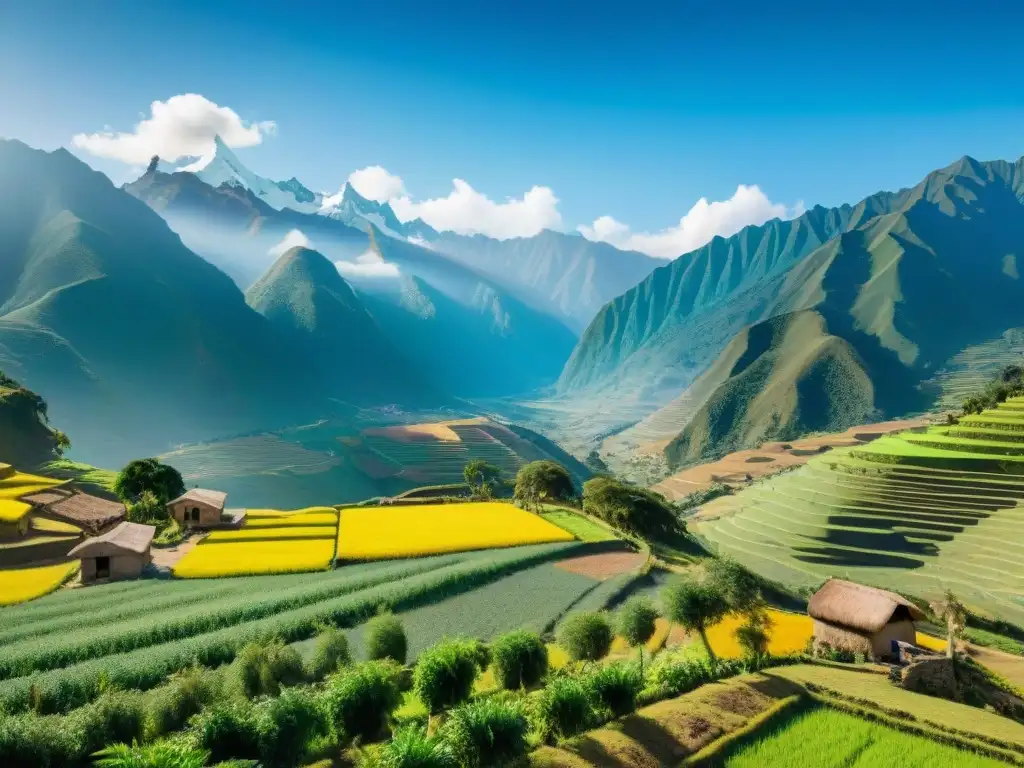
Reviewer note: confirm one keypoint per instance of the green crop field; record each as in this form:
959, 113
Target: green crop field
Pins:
824, 737
533, 598
135, 634
918, 512
580, 526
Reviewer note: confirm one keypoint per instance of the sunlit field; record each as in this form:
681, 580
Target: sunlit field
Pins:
374, 533
21, 584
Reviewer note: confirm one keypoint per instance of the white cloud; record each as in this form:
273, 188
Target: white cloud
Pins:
375, 183
289, 241
182, 126
700, 224
469, 212
367, 264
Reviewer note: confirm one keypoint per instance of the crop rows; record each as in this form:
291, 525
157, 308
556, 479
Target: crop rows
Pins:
859, 514
145, 667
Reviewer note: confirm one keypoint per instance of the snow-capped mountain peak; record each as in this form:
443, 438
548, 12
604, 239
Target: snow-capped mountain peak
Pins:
221, 166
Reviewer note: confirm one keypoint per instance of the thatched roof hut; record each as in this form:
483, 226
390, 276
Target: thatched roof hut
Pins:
120, 553
91, 513
203, 508
863, 619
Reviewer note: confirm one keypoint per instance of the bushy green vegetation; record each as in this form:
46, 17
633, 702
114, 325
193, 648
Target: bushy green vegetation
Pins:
385, 639
444, 675
630, 508
519, 659
541, 481
586, 636
487, 733
141, 475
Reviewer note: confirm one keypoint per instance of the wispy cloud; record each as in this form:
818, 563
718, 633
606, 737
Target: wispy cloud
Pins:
294, 238
369, 265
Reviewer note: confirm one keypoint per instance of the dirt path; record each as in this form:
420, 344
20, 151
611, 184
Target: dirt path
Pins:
743, 467
168, 557
1006, 664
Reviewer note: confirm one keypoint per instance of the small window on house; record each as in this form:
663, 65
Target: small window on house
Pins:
195, 514
102, 567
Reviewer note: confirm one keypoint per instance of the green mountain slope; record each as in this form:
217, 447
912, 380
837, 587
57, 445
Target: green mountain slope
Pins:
896, 296
304, 296
136, 342
26, 439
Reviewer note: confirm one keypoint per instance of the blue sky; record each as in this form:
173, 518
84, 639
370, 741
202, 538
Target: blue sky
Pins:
627, 110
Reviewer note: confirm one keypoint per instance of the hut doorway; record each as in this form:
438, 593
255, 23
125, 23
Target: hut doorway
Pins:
102, 567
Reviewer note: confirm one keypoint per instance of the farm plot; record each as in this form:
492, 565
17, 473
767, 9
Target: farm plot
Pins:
140, 650
826, 737
580, 526
533, 599
18, 585
272, 541
895, 512
374, 533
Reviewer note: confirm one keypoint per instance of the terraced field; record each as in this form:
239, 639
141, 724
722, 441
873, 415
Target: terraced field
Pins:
969, 371
918, 512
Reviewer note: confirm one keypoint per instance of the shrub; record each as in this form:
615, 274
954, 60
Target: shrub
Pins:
444, 674
116, 716
562, 709
162, 754
487, 733
385, 639
330, 655
170, 706
45, 741
228, 730
637, 621
754, 634
287, 725
147, 510
359, 700
586, 636
261, 669
679, 675
519, 660
412, 748
630, 508
614, 689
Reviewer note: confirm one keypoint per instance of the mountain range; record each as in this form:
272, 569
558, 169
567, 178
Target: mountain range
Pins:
835, 318
206, 301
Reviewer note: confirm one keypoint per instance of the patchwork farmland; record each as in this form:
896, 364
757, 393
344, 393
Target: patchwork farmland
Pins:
920, 511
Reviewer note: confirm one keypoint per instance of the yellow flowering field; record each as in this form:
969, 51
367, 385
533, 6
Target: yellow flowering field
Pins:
304, 518
376, 533
283, 532
244, 558
19, 585
931, 643
789, 634
12, 511
22, 484
289, 514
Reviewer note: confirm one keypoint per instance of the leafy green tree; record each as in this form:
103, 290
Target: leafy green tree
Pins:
630, 508
148, 510
541, 481
519, 660
444, 674
586, 636
62, 443
385, 638
695, 606
740, 587
482, 477
142, 475
636, 624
